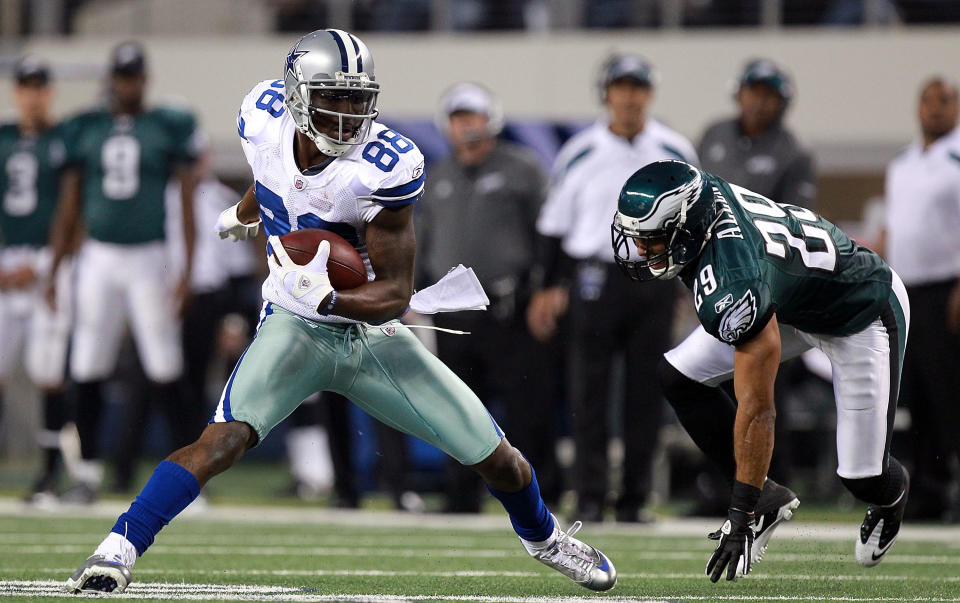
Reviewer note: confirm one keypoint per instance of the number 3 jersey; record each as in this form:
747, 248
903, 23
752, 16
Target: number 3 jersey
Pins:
385, 170
765, 258
29, 184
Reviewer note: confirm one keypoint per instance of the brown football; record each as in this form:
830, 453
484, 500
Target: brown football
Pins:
345, 266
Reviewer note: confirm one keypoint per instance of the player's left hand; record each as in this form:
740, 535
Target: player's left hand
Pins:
21, 278
307, 284
733, 552
183, 296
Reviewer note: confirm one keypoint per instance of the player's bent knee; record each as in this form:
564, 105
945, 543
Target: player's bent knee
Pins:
676, 387
216, 450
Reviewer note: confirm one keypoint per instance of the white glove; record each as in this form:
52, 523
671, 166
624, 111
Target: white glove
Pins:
228, 225
308, 285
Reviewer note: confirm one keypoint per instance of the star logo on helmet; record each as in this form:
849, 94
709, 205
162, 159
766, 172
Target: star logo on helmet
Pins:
292, 59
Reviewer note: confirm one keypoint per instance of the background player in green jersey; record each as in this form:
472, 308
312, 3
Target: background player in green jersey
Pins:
31, 156
769, 282
121, 158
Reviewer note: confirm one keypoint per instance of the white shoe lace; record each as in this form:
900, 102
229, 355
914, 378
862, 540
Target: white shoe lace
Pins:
570, 553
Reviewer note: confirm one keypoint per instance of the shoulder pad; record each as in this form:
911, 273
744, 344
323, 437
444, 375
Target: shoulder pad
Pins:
262, 105
395, 167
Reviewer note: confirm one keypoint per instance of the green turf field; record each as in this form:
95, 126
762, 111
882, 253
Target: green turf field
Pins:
260, 553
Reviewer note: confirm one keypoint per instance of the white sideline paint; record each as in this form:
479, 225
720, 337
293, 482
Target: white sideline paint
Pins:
756, 575
251, 551
691, 527
230, 592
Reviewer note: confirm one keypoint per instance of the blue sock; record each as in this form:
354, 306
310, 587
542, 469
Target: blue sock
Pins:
170, 489
529, 515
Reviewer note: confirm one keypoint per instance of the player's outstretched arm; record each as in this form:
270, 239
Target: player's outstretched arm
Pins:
391, 246
755, 369
65, 233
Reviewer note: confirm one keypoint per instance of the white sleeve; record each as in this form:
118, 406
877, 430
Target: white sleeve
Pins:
559, 210
262, 104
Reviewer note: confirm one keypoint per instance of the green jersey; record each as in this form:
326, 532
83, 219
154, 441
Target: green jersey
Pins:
29, 184
126, 161
765, 258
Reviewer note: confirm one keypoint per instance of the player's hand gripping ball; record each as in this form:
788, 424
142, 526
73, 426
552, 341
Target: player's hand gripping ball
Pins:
344, 265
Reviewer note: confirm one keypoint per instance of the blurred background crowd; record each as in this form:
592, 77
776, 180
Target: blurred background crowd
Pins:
524, 141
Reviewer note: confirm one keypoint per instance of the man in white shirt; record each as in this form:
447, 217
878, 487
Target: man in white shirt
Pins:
607, 316
922, 245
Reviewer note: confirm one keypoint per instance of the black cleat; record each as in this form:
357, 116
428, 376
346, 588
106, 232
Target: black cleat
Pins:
776, 505
880, 528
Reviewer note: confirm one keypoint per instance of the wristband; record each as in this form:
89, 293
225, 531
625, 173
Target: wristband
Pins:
744, 497
331, 302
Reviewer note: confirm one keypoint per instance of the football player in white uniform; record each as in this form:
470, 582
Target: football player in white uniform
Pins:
320, 160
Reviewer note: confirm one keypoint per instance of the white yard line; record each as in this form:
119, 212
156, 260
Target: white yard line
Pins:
756, 575
698, 527
230, 592
379, 551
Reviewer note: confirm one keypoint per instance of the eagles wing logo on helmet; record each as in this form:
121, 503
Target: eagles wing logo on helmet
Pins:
739, 318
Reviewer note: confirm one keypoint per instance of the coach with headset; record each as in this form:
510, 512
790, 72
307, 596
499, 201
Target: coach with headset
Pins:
608, 319
754, 148
479, 209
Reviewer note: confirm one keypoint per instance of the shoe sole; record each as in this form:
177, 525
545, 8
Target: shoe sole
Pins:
99, 579
785, 513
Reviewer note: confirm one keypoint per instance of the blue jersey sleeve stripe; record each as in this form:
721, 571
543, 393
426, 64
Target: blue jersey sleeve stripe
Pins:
402, 190
400, 202
241, 125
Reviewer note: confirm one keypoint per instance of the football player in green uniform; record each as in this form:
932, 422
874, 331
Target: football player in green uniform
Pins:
31, 156
121, 158
769, 282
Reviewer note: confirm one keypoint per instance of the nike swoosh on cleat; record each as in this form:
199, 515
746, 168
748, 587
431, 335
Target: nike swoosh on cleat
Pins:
875, 556
606, 564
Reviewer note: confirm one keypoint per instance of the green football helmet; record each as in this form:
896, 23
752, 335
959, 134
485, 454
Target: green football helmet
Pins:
664, 218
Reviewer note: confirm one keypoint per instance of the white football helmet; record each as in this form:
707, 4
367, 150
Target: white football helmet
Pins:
329, 89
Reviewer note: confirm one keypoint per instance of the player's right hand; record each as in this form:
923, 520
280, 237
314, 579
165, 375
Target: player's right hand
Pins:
308, 284
734, 551
229, 225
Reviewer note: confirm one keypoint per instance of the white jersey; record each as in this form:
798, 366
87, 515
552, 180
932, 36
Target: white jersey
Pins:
386, 170
587, 177
923, 212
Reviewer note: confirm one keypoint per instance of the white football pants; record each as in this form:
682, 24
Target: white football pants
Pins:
865, 381
29, 329
117, 283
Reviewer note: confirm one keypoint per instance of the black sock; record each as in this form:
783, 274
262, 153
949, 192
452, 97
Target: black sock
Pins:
89, 407
707, 413
884, 489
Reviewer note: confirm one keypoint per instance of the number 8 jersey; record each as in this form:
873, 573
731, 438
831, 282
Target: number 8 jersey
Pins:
385, 170
766, 258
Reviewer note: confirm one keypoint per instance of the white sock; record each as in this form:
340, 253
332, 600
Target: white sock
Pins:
117, 548
535, 546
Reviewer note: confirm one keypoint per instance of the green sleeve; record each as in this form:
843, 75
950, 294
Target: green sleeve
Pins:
737, 312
